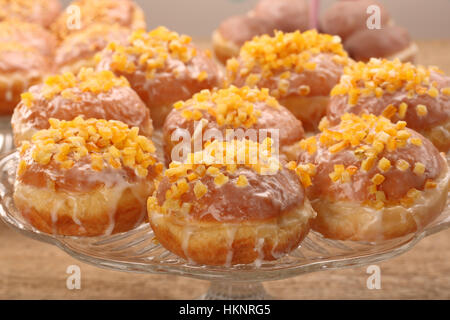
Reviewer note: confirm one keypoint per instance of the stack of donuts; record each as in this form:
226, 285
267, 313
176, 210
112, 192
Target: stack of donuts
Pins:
231, 168
38, 39
355, 22
345, 18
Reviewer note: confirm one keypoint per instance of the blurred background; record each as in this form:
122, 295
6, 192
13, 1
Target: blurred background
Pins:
425, 19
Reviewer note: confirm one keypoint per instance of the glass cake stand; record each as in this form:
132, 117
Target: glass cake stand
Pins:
138, 251
6, 136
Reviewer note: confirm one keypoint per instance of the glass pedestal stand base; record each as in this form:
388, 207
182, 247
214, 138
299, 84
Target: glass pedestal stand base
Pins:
222, 290
138, 251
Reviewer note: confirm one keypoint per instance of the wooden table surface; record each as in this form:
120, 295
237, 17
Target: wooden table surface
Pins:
33, 270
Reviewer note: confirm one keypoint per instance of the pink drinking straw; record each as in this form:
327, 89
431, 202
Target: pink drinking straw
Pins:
314, 14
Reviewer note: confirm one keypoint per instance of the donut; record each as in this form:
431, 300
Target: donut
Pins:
78, 50
373, 180
234, 31
284, 15
235, 113
391, 42
29, 34
349, 20
20, 67
344, 18
241, 212
162, 66
124, 13
91, 94
399, 91
267, 16
85, 177
42, 12
299, 69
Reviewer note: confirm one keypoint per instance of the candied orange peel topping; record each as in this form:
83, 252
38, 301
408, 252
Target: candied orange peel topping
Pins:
231, 106
106, 143
284, 51
367, 137
219, 161
380, 76
87, 80
226, 155
151, 50
305, 172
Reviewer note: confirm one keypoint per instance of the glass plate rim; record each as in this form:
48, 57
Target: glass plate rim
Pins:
207, 272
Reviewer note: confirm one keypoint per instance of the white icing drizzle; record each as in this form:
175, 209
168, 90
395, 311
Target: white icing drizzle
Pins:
187, 232
231, 231
258, 249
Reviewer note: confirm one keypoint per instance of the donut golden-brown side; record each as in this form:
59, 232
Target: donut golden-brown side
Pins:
124, 13
20, 67
91, 94
78, 50
162, 67
85, 177
232, 113
213, 213
373, 179
41, 12
399, 91
299, 69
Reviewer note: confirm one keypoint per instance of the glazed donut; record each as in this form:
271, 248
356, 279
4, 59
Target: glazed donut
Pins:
78, 50
399, 91
284, 15
344, 18
124, 13
241, 212
163, 67
234, 32
299, 69
29, 34
267, 16
391, 42
20, 67
374, 180
91, 94
42, 12
235, 113
85, 178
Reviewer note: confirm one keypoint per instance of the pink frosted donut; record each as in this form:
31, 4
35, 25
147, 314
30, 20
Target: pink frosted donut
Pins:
92, 94
373, 179
299, 69
162, 67
399, 91
240, 212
